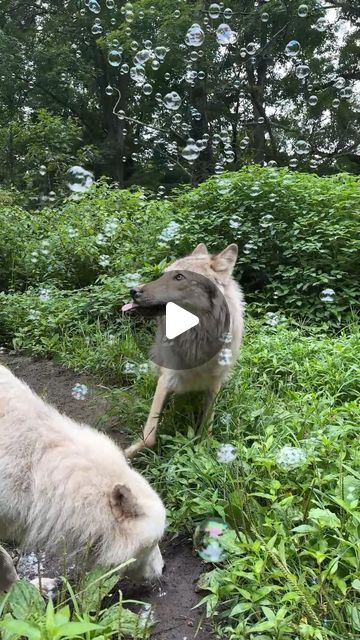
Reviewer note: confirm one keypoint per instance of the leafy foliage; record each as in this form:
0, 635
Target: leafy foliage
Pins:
26, 615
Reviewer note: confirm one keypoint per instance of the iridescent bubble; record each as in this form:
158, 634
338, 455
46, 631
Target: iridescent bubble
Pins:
302, 148
160, 52
195, 36
208, 542
79, 391
214, 11
292, 48
142, 57
129, 16
147, 88
251, 48
320, 24
225, 35
172, 101
155, 64
96, 29
302, 70
340, 82
137, 73
327, 295
313, 100
190, 152
124, 68
303, 10
94, 6
79, 179
346, 93
114, 57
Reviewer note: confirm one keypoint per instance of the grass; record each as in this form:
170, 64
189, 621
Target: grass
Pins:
290, 564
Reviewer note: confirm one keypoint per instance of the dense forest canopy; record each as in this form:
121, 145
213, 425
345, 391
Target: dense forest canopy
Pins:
157, 92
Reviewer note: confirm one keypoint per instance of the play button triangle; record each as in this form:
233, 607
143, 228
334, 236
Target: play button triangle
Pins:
178, 320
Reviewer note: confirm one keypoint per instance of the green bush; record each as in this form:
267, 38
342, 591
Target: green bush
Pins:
298, 234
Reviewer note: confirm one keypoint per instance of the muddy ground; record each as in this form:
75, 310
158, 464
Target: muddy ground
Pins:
174, 602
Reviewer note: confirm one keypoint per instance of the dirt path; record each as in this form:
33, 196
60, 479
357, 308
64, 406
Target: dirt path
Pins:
172, 603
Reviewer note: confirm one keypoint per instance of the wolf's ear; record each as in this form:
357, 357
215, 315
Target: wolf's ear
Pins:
225, 261
123, 502
200, 250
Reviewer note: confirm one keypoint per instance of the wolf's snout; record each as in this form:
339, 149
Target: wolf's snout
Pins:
135, 293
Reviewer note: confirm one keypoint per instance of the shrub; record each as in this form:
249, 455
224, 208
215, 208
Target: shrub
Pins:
298, 234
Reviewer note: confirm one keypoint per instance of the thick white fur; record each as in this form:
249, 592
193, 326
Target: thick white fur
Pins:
64, 485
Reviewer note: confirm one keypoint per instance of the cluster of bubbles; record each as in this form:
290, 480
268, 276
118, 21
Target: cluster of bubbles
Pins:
217, 21
79, 391
226, 453
208, 540
134, 369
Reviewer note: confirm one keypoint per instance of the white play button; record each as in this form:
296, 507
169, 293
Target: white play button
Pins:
178, 320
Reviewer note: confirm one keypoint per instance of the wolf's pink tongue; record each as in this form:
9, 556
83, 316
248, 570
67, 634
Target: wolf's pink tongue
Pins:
129, 306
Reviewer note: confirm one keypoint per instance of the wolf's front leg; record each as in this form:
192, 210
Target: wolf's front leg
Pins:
209, 408
149, 435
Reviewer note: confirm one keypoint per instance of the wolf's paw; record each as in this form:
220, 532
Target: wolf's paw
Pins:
48, 586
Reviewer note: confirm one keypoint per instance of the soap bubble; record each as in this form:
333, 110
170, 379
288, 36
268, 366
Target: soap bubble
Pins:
228, 13
303, 10
42, 170
225, 35
114, 57
109, 90
195, 36
302, 147
172, 101
110, 4
226, 454
190, 152
147, 88
96, 29
292, 48
313, 100
335, 103
339, 82
302, 70
160, 52
79, 179
137, 73
327, 295
214, 11
265, 17
225, 357
290, 457
320, 24
251, 48
79, 391
346, 93
142, 57
208, 540
94, 6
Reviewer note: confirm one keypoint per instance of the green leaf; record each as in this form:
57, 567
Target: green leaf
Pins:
22, 628
71, 629
356, 584
25, 601
325, 518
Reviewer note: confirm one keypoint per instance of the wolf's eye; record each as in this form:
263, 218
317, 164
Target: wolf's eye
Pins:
179, 276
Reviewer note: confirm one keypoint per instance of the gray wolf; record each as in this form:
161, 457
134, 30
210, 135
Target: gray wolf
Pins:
67, 487
173, 286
